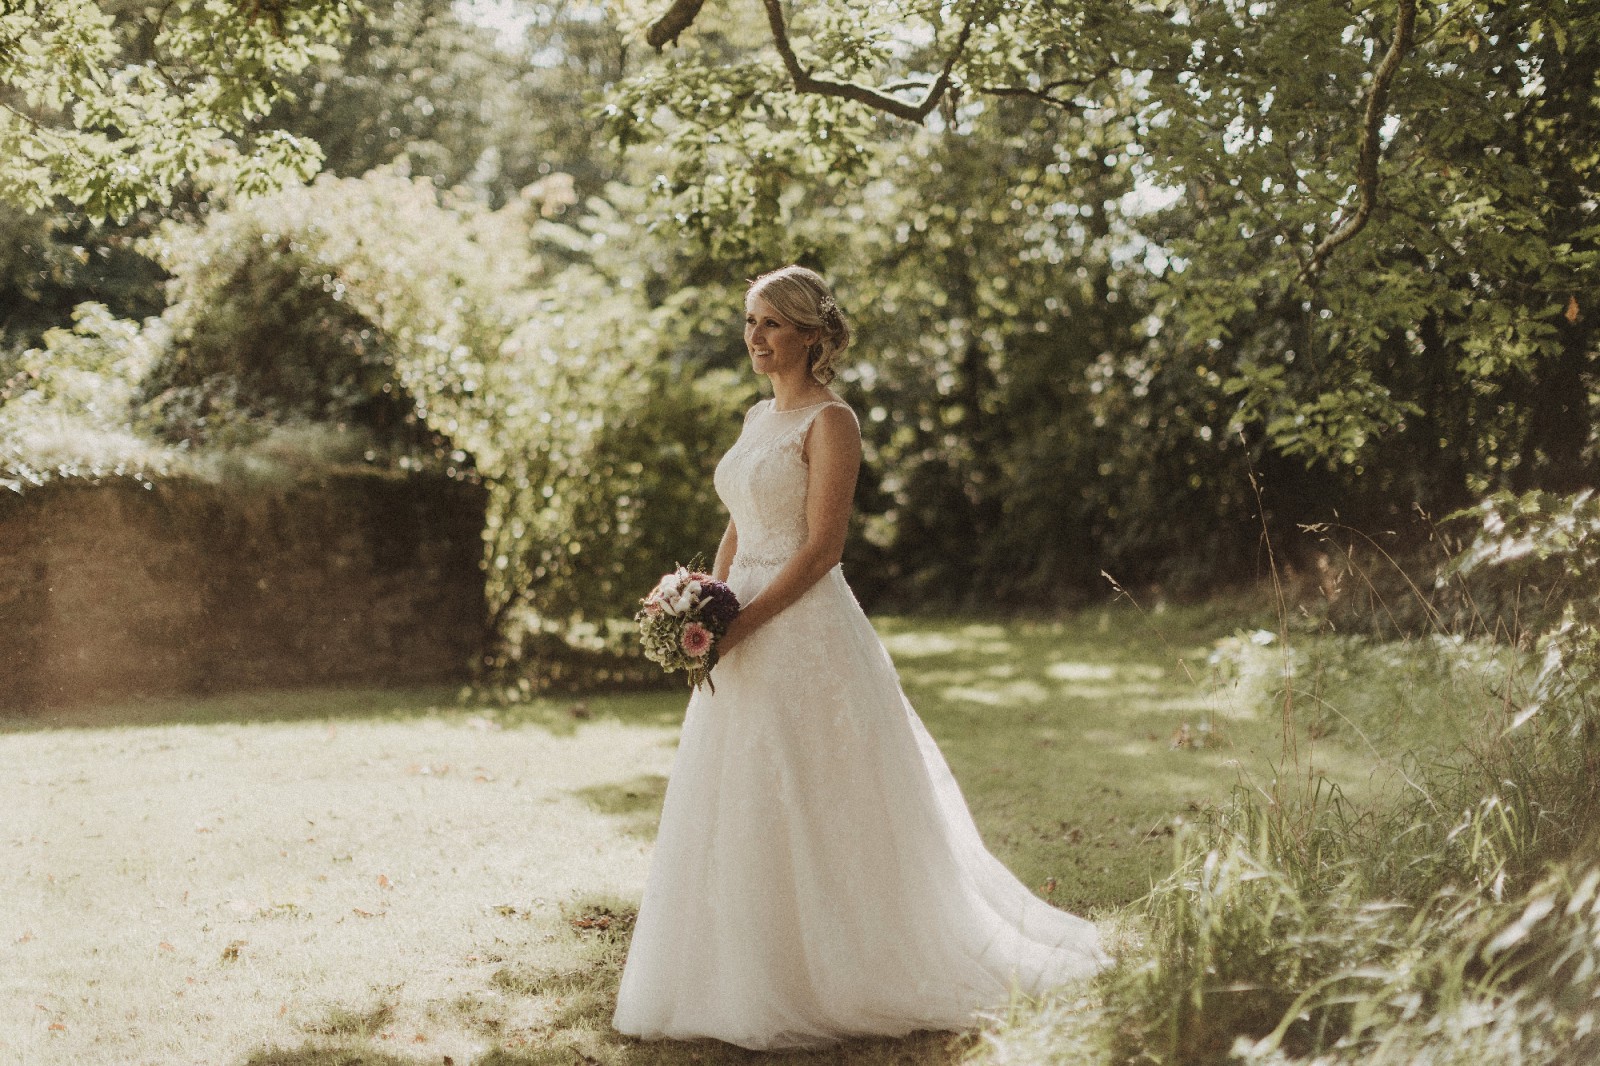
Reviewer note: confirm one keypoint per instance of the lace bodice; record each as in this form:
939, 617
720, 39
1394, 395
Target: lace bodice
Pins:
762, 482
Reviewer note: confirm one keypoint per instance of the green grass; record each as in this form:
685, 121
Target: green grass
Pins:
296, 878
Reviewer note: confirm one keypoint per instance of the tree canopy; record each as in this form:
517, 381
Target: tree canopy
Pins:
112, 105
1133, 282
1374, 208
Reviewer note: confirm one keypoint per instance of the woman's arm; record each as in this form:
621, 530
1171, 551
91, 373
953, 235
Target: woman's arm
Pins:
725, 552
834, 451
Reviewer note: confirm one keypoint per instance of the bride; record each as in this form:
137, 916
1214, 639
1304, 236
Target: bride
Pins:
817, 875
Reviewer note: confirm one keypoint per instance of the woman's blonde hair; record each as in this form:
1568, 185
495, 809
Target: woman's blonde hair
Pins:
801, 296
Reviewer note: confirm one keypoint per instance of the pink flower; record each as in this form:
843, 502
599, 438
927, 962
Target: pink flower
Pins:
696, 640
652, 605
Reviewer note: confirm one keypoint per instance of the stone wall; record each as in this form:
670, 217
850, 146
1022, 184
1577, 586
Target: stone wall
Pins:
184, 587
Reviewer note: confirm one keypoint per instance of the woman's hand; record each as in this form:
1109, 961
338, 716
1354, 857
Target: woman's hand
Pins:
738, 629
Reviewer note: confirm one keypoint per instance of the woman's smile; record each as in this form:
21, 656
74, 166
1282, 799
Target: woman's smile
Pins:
773, 341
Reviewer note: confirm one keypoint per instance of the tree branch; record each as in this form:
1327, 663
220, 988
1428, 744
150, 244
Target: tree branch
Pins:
1367, 165
805, 82
677, 18
1045, 92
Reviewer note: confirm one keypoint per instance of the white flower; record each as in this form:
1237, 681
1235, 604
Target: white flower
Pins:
669, 585
683, 604
694, 587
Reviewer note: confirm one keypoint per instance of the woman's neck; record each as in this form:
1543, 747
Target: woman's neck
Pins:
797, 390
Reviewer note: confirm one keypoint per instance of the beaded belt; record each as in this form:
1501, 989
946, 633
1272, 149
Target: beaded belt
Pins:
749, 559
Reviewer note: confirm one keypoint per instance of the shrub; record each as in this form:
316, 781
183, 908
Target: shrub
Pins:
362, 300
66, 409
500, 344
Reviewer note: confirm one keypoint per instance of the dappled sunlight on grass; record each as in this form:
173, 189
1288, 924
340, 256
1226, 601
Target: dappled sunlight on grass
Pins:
998, 694
287, 879
961, 639
1068, 671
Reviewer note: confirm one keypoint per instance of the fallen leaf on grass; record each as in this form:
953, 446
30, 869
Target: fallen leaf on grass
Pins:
592, 921
167, 947
57, 1027
384, 882
426, 770
359, 913
231, 952
24, 938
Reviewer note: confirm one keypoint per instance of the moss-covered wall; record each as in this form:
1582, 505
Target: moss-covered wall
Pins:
122, 589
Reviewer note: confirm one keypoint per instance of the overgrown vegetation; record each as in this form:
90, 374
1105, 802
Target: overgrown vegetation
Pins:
1454, 918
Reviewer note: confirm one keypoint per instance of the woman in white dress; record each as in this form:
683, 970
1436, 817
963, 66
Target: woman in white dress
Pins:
817, 875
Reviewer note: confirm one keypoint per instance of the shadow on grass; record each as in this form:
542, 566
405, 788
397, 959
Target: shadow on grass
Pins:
580, 997
637, 802
264, 706
561, 716
325, 1055
574, 1003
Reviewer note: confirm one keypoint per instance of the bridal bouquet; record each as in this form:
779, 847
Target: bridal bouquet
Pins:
681, 621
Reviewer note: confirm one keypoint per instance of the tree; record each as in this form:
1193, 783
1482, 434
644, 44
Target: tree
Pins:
1382, 243
460, 105
114, 105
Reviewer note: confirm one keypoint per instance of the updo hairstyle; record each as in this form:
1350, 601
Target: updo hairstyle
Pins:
801, 296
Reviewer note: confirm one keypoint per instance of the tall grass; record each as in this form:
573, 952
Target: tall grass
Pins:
1457, 916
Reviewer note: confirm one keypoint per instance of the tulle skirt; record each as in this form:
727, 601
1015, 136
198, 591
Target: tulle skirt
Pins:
817, 874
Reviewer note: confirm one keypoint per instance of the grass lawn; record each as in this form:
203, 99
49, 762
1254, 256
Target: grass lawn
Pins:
296, 878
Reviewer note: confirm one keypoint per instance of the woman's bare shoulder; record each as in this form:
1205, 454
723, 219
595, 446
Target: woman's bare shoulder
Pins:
834, 431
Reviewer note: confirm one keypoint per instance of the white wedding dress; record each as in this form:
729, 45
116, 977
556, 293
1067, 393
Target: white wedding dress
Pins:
817, 875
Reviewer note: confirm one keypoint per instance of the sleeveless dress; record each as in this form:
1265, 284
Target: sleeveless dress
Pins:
817, 874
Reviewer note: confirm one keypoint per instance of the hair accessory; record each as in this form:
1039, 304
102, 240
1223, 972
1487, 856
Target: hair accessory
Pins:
829, 311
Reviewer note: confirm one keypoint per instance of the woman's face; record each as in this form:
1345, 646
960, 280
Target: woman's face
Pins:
775, 344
